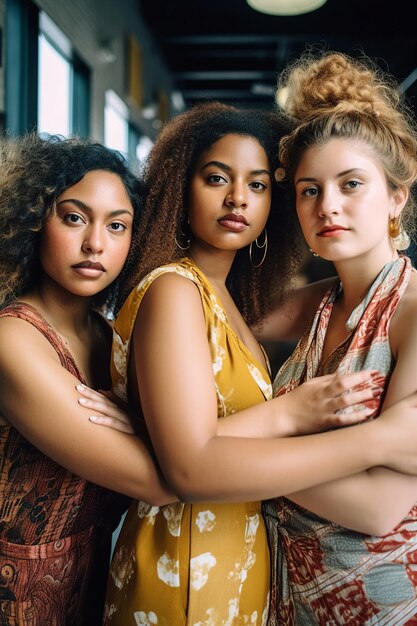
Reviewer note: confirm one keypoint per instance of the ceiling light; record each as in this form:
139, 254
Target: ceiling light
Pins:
285, 7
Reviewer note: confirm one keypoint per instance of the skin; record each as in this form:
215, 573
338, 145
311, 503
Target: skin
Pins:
92, 222
343, 182
197, 459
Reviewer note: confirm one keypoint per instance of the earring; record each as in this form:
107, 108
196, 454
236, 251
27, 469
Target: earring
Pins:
394, 227
185, 236
261, 246
399, 238
314, 253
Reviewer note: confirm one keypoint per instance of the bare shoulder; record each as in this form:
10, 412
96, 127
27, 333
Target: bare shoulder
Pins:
169, 289
19, 338
292, 317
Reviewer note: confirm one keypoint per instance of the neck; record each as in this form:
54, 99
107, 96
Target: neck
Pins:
357, 275
215, 264
67, 313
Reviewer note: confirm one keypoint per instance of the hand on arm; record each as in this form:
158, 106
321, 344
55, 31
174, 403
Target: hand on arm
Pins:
39, 398
375, 501
107, 412
175, 378
320, 404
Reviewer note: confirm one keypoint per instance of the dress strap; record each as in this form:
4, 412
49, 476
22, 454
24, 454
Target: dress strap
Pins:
30, 314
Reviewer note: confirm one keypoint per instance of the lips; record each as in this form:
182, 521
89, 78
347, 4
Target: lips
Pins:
234, 217
92, 265
233, 221
332, 230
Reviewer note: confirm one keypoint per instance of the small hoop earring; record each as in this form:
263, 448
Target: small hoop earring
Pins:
186, 237
399, 238
314, 253
263, 246
394, 227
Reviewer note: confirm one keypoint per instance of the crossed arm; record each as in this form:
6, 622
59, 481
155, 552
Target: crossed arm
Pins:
375, 501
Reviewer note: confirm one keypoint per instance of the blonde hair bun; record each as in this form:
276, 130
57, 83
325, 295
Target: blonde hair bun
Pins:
335, 83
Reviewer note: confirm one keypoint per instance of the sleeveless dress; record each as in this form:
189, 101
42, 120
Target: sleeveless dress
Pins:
194, 564
325, 574
55, 528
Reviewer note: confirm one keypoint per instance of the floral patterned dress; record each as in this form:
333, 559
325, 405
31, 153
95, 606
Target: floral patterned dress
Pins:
55, 527
194, 564
324, 574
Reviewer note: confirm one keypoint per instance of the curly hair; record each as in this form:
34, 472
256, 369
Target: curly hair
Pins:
336, 96
167, 177
34, 171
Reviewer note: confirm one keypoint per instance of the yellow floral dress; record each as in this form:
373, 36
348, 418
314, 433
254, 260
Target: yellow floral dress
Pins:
195, 564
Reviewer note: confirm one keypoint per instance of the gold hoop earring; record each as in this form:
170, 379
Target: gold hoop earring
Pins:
185, 236
394, 227
399, 238
263, 246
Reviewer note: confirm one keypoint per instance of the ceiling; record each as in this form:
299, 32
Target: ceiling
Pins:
224, 50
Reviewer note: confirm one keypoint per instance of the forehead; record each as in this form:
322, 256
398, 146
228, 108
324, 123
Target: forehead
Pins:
236, 146
100, 190
340, 154
93, 182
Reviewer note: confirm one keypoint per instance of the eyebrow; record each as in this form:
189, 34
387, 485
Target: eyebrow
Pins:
349, 171
227, 168
88, 209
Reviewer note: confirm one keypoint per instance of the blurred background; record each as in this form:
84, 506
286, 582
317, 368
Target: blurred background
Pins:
117, 70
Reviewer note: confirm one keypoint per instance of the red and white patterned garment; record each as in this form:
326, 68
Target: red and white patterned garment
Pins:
324, 574
55, 527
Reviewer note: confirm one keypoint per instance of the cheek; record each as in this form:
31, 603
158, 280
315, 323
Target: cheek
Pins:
54, 244
118, 254
263, 209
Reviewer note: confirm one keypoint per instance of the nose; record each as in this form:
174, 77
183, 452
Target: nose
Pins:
93, 239
329, 202
237, 195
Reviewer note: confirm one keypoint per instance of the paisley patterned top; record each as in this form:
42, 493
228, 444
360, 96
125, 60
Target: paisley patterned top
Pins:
325, 574
55, 527
193, 563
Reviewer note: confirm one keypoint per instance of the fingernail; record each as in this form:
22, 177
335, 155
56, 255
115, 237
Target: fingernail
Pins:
80, 387
82, 400
93, 418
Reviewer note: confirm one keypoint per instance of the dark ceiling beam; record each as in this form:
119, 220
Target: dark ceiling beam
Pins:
225, 53
233, 40
225, 75
218, 94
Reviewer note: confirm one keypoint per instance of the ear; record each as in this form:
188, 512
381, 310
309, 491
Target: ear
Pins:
399, 199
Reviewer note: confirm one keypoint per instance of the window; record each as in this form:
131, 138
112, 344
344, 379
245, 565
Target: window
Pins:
54, 95
120, 134
63, 84
116, 124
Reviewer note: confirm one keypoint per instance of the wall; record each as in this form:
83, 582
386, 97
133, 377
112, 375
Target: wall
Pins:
89, 23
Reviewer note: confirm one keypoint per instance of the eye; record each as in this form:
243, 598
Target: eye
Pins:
310, 192
216, 179
258, 185
74, 218
117, 227
352, 184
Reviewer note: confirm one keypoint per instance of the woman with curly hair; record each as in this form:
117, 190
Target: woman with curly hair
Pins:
68, 209
215, 246
345, 552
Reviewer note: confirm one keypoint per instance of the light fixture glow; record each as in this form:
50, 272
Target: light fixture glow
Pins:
285, 7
